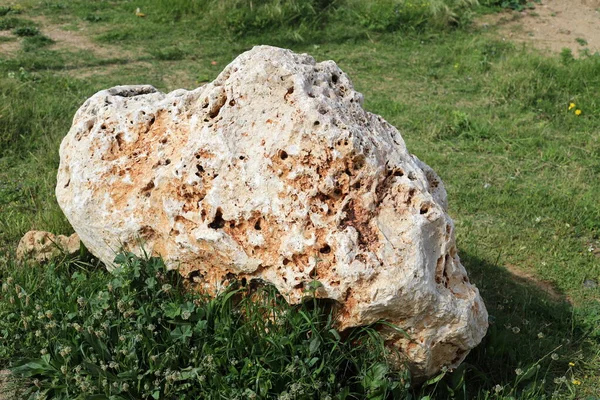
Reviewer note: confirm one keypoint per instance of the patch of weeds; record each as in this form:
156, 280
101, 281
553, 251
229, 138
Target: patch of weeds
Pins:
36, 42
581, 41
566, 56
4, 39
7, 23
5, 10
114, 36
23, 75
93, 18
516, 5
169, 54
138, 333
55, 5
26, 31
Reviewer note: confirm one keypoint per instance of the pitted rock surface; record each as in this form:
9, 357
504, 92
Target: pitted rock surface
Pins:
275, 172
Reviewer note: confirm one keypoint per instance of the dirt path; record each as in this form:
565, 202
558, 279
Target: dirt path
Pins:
72, 40
552, 25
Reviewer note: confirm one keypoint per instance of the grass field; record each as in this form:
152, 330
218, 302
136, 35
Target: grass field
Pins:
494, 119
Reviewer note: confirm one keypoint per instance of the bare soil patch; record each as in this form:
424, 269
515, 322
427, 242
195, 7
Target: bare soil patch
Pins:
7, 47
553, 25
74, 40
530, 279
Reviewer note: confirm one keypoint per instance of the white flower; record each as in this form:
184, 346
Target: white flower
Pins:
519, 371
64, 351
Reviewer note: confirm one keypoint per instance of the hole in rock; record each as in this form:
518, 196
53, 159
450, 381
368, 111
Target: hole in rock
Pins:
232, 103
167, 161
285, 261
412, 176
120, 141
424, 209
357, 185
283, 154
218, 222
242, 157
334, 78
398, 172
148, 188
317, 123
244, 282
195, 275
257, 225
325, 249
102, 126
313, 273
439, 270
164, 140
217, 107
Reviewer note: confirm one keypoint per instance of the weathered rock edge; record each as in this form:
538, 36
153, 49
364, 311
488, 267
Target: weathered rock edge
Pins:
275, 172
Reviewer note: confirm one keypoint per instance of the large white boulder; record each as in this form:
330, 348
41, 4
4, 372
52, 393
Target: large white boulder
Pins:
275, 172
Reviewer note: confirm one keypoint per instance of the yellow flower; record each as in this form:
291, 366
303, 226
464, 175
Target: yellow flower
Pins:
577, 112
576, 382
571, 364
571, 106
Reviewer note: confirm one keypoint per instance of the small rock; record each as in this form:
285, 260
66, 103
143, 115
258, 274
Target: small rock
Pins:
590, 284
42, 246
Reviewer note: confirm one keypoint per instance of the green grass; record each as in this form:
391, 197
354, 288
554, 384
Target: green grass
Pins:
491, 117
137, 333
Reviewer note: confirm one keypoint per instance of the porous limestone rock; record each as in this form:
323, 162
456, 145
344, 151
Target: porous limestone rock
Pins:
42, 246
275, 172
